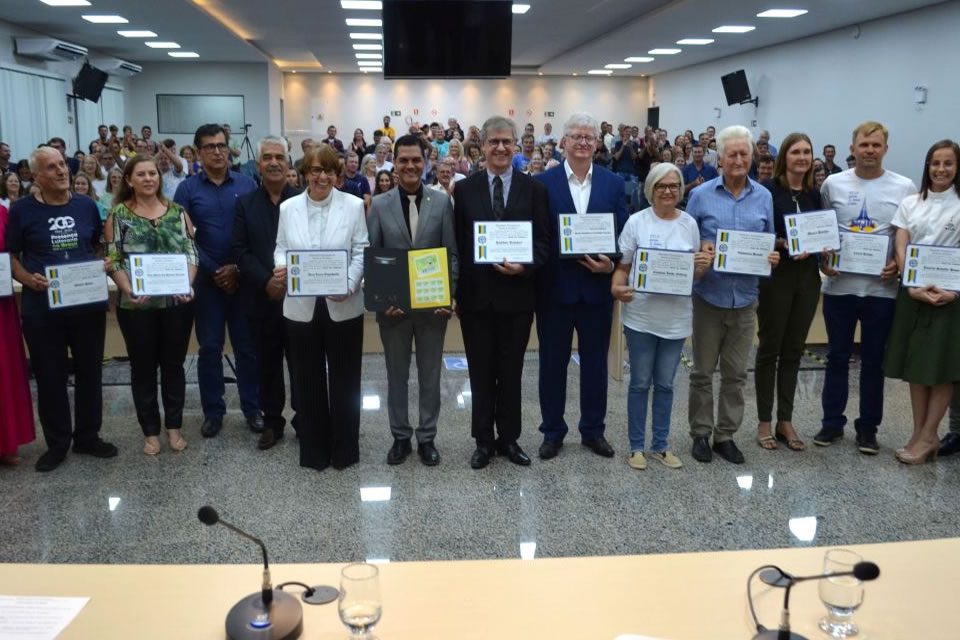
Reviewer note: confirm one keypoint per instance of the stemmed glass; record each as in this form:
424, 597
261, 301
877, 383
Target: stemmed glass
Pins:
360, 605
842, 595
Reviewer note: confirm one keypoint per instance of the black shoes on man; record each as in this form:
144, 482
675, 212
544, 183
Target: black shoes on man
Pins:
427, 452
702, 452
53, 458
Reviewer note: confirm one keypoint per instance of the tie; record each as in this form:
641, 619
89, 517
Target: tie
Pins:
414, 217
497, 198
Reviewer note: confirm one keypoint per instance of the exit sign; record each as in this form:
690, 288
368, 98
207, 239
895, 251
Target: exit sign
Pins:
395, 113
548, 114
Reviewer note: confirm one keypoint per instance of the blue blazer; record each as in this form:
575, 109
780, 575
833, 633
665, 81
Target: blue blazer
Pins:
565, 281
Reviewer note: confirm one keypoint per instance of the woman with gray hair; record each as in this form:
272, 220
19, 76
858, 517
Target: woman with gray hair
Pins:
656, 325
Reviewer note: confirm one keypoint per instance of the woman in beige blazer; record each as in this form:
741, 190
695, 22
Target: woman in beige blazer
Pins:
325, 334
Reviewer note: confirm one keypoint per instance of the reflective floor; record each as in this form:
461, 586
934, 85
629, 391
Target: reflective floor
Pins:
137, 509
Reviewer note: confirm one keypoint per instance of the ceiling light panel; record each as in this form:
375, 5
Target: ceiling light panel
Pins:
599, 72
366, 36
638, 59
371, 5
369, 56
370, 63
111, 19
734, 29
520, 8
66, 3
782, 13
617, 65
162, 45
185, 54
368, 47
664, 52
137, 34
364, 22
696, 41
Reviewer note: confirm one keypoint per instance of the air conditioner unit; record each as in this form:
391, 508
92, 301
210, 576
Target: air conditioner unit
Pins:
115, 66
49, 49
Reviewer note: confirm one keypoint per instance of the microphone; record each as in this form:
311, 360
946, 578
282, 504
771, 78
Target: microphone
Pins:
209, 516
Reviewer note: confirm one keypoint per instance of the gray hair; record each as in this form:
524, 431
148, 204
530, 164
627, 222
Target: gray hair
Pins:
581, 120
271, 139
496, 123
657, 174
35, 155
735, 132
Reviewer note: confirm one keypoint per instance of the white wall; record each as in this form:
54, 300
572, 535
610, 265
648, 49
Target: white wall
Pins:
355, 100
827, 84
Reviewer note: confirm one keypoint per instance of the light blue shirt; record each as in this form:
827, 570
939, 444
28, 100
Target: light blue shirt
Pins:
714, 207
506, 177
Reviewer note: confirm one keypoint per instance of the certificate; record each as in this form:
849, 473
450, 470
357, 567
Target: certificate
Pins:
812, 232
159, 274
317, 272
745, 252
587, 234
663, 271
931, 265
494, 242
76, 283
6, 276
863, 253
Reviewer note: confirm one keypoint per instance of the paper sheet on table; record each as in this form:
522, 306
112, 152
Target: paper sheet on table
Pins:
36, 617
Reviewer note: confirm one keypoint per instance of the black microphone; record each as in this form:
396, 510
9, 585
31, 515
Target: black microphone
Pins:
209, 516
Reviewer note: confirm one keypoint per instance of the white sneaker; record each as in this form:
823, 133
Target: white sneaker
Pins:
637, 461
668, 459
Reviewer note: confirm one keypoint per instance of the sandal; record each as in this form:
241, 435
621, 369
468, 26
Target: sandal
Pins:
794, 444
767, 442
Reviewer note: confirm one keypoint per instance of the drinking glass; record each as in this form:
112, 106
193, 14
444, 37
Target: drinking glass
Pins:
360, 605
842, 595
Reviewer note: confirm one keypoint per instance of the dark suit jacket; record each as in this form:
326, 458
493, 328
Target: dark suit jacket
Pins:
481, 286
564, 280
254, 239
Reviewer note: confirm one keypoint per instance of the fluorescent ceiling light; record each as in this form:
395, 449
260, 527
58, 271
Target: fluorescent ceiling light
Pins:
369, 56
377, 69
368, 47
663, 52
734, 29
617, 65
599, 72
638, 59
137, 34
520, 8
106, 19
366, 36
782, 13
66, 3
162, 45
364, 22
375, 5
370, 63
696, 41
185, 54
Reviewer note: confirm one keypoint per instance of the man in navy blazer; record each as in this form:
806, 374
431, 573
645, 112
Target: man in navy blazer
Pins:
574, 294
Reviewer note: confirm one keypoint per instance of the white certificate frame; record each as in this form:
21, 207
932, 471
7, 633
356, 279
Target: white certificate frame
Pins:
635, 270
295, 286
570, 247
915, 274
483, 229
6, 275
723, 252
73, 284
147, 267
836, 259
797, 241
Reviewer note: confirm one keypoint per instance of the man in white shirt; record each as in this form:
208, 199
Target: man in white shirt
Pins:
865, 199
547, 134
171, 179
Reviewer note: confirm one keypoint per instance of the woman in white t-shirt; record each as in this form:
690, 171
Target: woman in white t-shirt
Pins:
924, 343
656, 325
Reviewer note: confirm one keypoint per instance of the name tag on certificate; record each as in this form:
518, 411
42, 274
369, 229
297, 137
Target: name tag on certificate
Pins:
159, 274
931, 265
812, 232
663, 271
76, 283
587, 234
744, 252
318, 272
494, 242
6, 276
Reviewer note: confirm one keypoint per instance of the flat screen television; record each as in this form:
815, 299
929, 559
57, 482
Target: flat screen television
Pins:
443, 39
88, 84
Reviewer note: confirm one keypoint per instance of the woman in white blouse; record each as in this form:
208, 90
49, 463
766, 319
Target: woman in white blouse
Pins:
325, 334
924, 343
656, 325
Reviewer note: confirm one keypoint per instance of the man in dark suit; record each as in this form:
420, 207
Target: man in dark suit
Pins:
495, 303
412, 217
574, 295
254, 240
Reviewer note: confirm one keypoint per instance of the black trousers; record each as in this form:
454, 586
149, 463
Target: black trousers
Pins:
326, 358
157, 338
269, 331
495, 343
49, 337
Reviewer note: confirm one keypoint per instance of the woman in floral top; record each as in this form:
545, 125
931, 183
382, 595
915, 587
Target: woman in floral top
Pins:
156, 330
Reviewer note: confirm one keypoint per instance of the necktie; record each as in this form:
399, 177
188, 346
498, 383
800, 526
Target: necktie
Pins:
498, 198
414, 217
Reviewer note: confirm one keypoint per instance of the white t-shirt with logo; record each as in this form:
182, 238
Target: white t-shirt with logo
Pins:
935, 220
864, 206
665, 316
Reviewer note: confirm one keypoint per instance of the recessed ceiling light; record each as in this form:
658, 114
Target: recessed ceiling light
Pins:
617, 65
368, 47
369, 56
782, 13
734, 29
539, 73
327, 71
183, 54
106, 19
663, 52
375, 5
370, 63
66, 3
599, 72
366, 36
294, 71
574, 73
137, 34
696, 41
520, 8
162, 45
364, 22
638, 59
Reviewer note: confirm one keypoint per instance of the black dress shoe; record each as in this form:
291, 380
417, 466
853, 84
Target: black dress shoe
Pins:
514, 454
600, 447
481, 457
949, 444
211, 427
399, 451
96, 448
728, 451
827, 436
428, 454
268, 438
550, 449
701, 450
50, 460
867, 444
255, 423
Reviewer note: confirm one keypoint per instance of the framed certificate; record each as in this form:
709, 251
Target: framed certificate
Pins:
76, 283
744, 252
6, 276
932, 265
862, 253
812, 232
587, 234
159, 274
496, 241
663, 271
408, 280
317, 272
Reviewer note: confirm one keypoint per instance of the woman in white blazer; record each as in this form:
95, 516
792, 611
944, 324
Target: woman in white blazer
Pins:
325, 334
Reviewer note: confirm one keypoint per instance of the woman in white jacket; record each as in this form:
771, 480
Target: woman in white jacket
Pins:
325, 334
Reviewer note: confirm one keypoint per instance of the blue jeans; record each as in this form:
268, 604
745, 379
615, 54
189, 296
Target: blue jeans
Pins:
214, 309
652, 360
840, 315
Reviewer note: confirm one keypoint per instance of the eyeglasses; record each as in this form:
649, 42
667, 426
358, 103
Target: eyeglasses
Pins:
316, 171
212, 147
663, 188
581, 139
496, 142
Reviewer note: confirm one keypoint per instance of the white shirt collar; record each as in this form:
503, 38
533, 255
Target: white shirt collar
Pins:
589, 178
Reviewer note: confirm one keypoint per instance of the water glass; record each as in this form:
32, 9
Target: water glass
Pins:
842, 595
360, 605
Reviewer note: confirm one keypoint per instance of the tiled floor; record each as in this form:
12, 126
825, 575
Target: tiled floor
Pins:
136, 509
